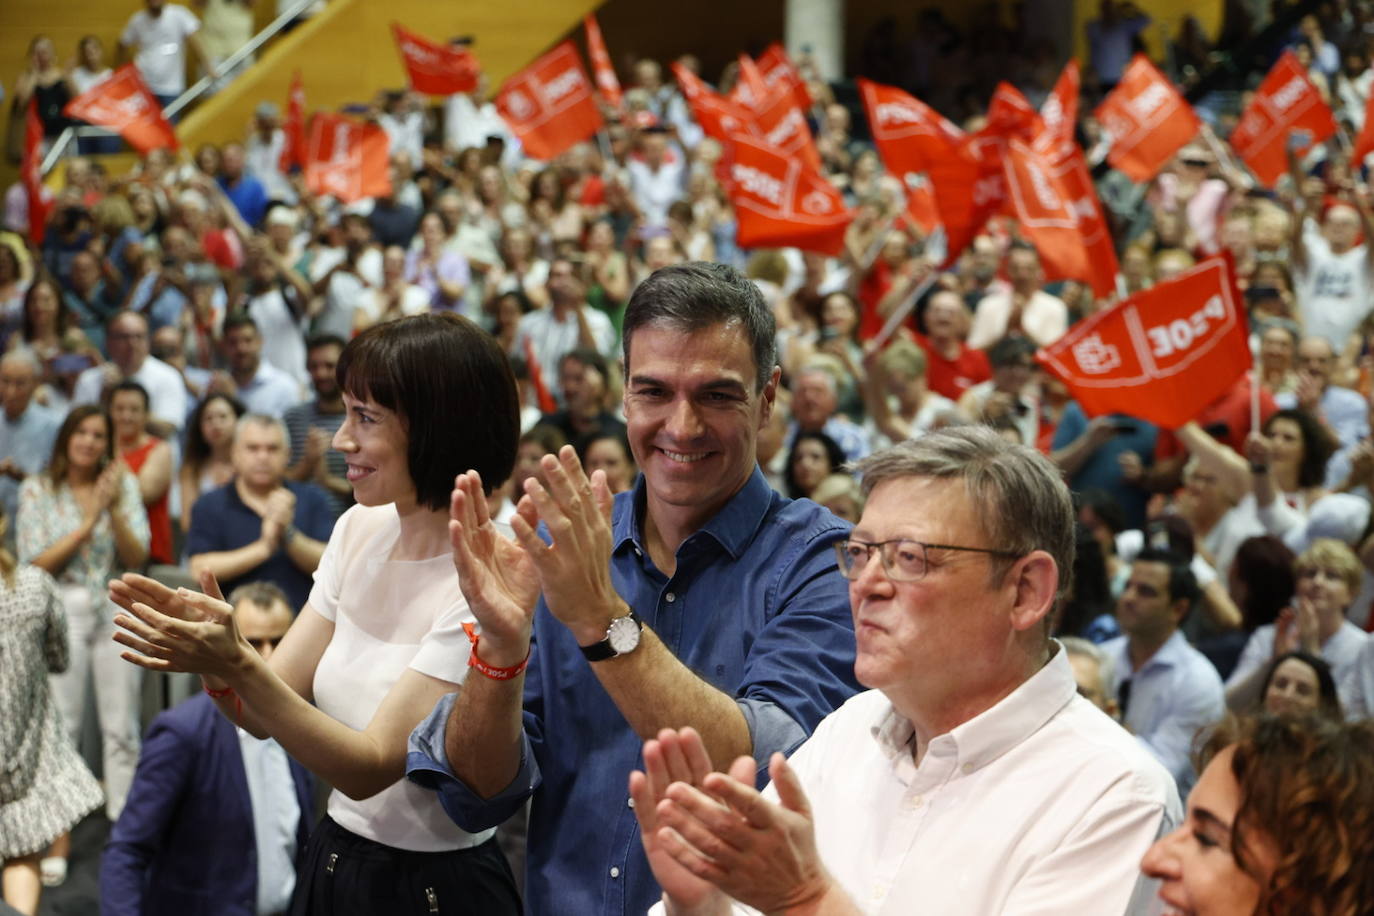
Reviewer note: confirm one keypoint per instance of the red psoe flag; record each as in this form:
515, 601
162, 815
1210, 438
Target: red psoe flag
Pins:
1077, 182
1045, 211
719, 117
1161, 355
1147, 119
123, 104
347, 159
40, 200
1285, 103
549, 104
1059, 111
912, 138
777, 69
750, 90
293, 126
779, 122
603, 71
435, 69
780, 202
1364, 143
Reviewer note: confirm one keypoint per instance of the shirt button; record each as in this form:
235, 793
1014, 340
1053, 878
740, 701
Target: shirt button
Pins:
629, 802
670, 597
967, 768
615, 871
914, 802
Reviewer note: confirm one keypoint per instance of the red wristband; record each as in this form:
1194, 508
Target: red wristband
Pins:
491, 671
227, 692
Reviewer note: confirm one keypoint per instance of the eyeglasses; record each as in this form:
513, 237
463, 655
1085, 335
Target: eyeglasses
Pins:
903, 560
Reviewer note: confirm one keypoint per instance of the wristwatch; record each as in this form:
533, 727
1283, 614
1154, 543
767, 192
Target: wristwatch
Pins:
622, 637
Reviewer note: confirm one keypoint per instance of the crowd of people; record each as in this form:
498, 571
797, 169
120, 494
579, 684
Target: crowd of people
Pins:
662, 465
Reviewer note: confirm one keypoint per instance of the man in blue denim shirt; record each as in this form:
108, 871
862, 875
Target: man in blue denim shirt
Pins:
702, 597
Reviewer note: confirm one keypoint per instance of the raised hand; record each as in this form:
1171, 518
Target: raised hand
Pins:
672, 758
495, 574
134, 588
760, 853
203, 637
574, 571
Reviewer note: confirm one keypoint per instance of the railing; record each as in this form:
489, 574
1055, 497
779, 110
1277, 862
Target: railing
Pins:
197, 89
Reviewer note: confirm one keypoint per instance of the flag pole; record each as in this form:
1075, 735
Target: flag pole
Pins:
1254, 395
903, 309
874, 247
1224, 156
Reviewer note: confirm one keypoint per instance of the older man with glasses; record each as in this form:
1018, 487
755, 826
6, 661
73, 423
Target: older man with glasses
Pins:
971, 777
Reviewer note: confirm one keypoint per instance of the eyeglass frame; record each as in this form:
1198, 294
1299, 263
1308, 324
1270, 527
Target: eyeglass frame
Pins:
883, 552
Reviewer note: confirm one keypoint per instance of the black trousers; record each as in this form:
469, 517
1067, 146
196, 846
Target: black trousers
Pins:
346, 875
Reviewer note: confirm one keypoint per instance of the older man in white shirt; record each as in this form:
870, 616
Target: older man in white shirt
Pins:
1025, 309
972, 777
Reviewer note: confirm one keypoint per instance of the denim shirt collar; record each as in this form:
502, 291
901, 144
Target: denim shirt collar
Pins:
733, 527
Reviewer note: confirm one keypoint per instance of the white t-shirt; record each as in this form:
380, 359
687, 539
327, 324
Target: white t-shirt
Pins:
414, 301
167, 398
389, 616
1334, 291
161, 43
283, 336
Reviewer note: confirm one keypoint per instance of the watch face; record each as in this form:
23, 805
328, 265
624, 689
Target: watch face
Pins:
623, 635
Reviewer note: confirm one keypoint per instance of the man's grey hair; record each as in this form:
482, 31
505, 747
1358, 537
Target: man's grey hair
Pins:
821, 369
1106, 668
262, 419
23, 356
699, 295
1017, 495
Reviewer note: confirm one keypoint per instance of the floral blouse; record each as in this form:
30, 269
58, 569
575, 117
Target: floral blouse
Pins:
47, 513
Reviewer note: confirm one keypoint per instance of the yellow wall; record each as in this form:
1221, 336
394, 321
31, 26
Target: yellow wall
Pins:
1167, 15
346, 53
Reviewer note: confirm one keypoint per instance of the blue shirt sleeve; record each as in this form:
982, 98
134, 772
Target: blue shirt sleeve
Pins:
1071, 425
427, 765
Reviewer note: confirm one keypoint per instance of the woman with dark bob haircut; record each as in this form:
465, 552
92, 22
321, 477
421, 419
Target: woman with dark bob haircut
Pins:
1281, 822
381, 639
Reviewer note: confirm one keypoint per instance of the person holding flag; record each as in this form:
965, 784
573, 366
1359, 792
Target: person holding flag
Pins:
1334, 276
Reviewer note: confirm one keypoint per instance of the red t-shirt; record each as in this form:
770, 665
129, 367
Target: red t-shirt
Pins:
159, 518
952, 377
875, 285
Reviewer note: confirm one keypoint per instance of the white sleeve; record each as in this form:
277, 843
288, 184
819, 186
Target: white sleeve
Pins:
1258, 648
324, 594
444, 651
189, 24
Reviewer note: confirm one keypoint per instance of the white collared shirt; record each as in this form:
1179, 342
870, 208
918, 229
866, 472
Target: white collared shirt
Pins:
1040, 805
1174, 694
276, 816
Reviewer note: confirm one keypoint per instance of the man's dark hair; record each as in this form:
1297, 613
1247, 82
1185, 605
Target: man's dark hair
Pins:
127, 385
454, 391
587, 357
239, 319
265, 595
1010, 351
325, 340
699, 295
1182, 582
1105, 506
